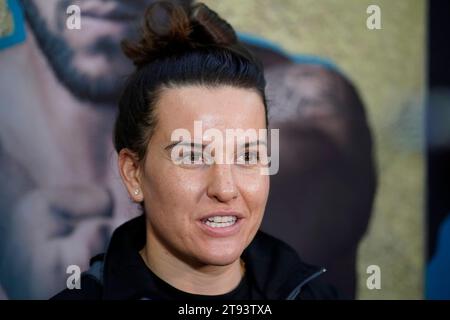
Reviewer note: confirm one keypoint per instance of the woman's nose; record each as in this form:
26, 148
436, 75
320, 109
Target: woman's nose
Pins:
222, 185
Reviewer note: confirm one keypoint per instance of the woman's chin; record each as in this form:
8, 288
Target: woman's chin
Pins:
221, 255
220, 261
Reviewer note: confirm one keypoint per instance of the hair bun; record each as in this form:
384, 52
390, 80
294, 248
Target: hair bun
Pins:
220, 31
168, 28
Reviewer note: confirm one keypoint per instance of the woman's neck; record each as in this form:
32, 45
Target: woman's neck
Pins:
202, 279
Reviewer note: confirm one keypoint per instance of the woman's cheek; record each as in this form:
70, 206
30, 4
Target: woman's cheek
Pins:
256, 183
255, 190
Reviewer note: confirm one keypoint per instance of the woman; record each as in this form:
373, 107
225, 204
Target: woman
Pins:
198, 235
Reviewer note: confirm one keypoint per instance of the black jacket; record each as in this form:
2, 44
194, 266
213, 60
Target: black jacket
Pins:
276, 270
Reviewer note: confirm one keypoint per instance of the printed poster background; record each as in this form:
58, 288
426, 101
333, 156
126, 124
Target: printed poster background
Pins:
388, 68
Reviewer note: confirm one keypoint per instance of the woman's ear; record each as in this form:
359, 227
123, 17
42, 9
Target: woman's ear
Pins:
129, 170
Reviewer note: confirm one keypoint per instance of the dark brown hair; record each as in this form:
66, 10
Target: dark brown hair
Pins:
179, 45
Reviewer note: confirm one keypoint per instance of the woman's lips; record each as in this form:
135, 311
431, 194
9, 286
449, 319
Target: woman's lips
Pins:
220, 232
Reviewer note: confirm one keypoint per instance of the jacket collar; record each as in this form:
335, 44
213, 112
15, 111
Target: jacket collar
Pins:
276, 270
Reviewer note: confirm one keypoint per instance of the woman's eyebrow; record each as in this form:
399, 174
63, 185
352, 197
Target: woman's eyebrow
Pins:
184, 143
203, 146
255, 143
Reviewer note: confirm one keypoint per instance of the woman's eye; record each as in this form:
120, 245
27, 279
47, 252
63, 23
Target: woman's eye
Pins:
192, 158
249, 157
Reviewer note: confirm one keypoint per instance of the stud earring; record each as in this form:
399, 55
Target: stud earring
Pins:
136, 192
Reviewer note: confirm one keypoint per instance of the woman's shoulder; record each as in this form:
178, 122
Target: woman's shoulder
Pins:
277, 264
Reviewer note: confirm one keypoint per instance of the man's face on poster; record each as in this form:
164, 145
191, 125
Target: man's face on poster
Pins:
88, 61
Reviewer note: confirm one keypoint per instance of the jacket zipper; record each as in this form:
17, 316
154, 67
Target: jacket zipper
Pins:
294, 293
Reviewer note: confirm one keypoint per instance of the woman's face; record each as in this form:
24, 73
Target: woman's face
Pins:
179, 198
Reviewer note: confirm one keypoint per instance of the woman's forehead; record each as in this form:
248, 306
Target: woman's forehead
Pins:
221, 107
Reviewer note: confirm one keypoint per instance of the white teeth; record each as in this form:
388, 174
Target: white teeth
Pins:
221, 221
